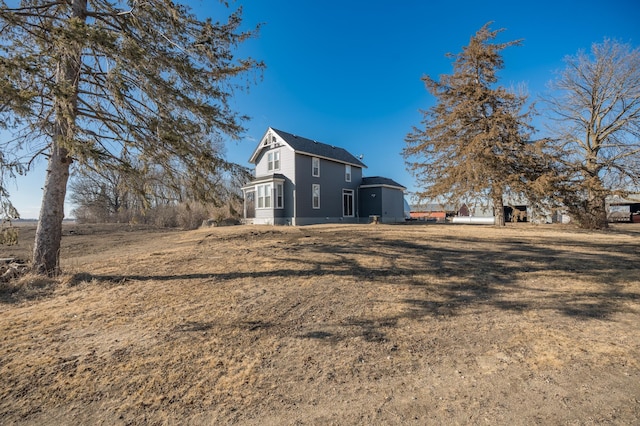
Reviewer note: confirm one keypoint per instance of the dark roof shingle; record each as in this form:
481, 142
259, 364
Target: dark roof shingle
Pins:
308, 146
379, 180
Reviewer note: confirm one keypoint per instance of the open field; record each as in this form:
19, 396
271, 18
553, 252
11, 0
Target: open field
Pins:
420, 324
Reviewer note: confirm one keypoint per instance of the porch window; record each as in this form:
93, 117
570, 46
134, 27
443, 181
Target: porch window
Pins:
315, 167
264, 196
279, 196
250, 204
316, 196
347, 172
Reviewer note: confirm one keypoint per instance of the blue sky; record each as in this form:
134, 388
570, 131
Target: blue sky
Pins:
348, 73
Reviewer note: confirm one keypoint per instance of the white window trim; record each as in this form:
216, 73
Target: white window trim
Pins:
315, 188
353, 202
264, 196
273, 161
315, 160
347, 172
278, 187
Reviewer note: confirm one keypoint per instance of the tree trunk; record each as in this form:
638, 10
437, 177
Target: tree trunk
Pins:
595, 212
46, 251
594, 209
498, 207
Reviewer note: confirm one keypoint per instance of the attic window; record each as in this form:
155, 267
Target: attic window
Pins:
269, 140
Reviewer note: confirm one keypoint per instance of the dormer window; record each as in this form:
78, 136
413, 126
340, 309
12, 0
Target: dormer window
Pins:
273, 160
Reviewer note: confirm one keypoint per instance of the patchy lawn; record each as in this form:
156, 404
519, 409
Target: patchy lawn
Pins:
417, 324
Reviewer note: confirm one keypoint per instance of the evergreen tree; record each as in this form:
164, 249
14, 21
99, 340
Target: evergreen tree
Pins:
118, 84
473, 145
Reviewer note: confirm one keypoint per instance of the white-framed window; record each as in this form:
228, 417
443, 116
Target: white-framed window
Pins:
273, 160
279, 196
264, 196
347, 202
347, 172
315, 191
315, 166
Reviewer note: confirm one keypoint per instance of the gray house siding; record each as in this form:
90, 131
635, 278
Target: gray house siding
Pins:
382, 197
288, 212
332, 182
269, 215
277, 216
392, 205
370, 203
264, 217
364, 196
287, 166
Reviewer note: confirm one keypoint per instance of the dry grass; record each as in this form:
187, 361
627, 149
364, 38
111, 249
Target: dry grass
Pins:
327, 325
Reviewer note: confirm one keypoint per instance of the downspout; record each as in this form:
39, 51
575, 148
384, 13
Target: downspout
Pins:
357, 203
295, 208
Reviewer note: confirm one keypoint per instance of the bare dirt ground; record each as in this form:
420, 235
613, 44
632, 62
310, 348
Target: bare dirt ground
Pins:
423, 324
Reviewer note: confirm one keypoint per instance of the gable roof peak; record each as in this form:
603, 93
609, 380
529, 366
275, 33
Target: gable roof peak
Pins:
312, 147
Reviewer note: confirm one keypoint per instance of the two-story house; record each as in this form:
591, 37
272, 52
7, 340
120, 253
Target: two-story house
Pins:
299, 181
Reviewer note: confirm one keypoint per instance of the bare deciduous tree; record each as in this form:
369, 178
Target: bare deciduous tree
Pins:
119, 196
596, 116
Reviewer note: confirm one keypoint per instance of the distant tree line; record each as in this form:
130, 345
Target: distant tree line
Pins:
111, 197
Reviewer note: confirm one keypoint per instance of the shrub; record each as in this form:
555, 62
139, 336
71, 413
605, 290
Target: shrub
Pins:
9, 236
